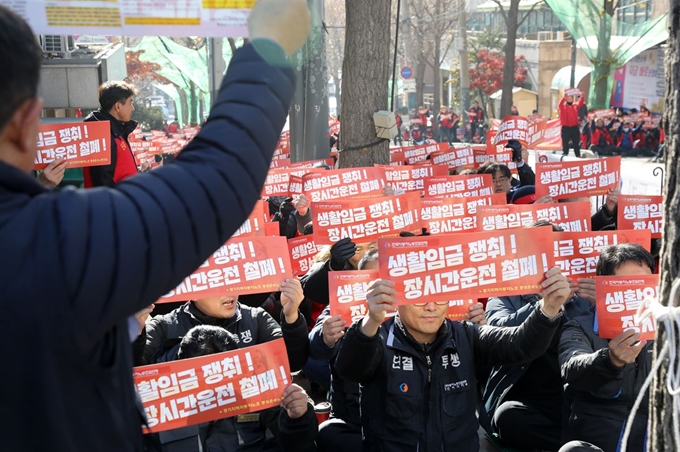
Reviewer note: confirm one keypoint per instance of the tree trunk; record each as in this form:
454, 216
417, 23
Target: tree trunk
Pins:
437, 78
464, 63
421, 67
602, 68
660, 408
365, 73
509, 68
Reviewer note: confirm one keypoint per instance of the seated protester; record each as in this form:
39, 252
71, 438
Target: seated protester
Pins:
502, 179
602, 376
602, 142
585, 134
417, 369
159, 340
524, 403
343, 431
625, 141
294, 213
524, 171
606, 215
291, 427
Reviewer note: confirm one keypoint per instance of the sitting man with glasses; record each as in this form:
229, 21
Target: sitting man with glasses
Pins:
417, 369
503, 182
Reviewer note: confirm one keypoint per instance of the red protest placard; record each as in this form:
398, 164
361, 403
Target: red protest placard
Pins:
294, 186
571, 216
366, 220
563, 180
337, 184
347, 293
459, 186
618, 299
572, 92
280, 163
81, 144
414, 154
536, 132
448, 215
641, 212
577, 253
397, 157
411, 178
272, 229
512, 128
312, 163
254, 225
494, 153
196, 390
480, 264
458, 309
278, 180
242, 266
454, 157
302, 252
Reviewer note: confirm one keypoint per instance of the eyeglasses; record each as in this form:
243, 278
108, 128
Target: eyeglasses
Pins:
438, 303
500, 180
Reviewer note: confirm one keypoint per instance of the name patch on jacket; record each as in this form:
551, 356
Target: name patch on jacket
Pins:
450, 387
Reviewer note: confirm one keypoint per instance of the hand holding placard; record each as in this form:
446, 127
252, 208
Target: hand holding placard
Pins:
332, 329
380, 300
625, 348
291, 297
555, 292
287, 23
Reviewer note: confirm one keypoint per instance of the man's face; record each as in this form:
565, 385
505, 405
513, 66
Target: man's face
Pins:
501, 183
218, 307
423, 322
124, 110
362, 248
475, 104
570, 99
599, 123
632, 268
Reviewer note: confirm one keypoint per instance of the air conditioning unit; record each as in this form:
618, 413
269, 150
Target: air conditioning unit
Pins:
559, 36
545, 36
58, 44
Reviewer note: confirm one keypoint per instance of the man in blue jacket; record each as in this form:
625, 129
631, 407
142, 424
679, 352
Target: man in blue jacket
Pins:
76, 264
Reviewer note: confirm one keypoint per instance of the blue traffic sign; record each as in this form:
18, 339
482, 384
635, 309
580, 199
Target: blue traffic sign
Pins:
406, 72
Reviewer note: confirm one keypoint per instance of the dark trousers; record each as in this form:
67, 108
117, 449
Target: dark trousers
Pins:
609, 149
528, 427
571, 134
445, 135
335, 435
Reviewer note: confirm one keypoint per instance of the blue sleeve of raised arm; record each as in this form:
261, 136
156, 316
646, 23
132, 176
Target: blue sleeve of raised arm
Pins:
123, 248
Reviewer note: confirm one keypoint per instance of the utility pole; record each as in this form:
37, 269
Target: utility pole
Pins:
464, 63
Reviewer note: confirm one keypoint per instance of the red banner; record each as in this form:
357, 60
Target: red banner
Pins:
512, 128
641, 212
459, 308
552, 137
223, 385
536, 132
493, 153
480, 264
618, 299
448, 215
563, 180
397, 157
347, 293
577, 253
81, 144
278, 180
337, 184
302, 252
242, 266
411, 178
414, 154
294, 186
280, 163
366, 220
312, 163
459, 186
571, 216
254, 225
454, 157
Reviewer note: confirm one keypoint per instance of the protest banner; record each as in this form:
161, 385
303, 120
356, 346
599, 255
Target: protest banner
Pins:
280, 163
192, 391
573, 92
397, 157
217, 19
347, 293
459, 308
641, 212
294, 186
411, 178
512, 128
414, 154
572, 216
343, 183
536, 132
480, 264
314, 163
577, 253
242, 266
303, 249
618, 299
278, 180
365, 220
81, 144
459, 186
493, 153
562, 180
254, 225
448, 215
271, 229
606, 113
333, 126
454, 158
552, 137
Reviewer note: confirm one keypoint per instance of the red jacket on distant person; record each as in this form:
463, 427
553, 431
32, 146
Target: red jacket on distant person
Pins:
601, 137
569, 113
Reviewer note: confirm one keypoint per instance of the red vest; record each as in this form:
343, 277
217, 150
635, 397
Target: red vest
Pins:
125, 164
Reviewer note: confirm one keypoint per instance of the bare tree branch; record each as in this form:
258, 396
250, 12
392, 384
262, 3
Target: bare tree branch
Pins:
503, 12
521, 21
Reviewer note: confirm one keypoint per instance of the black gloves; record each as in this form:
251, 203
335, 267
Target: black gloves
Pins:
286, 208
341, 252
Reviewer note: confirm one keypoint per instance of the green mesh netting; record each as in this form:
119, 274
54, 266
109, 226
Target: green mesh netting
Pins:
607, 41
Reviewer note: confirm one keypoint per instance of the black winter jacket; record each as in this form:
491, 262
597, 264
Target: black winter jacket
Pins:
423, 397
513, 311
101, 255
602, 394
161, 336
